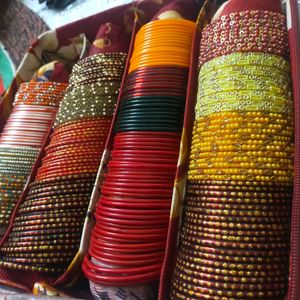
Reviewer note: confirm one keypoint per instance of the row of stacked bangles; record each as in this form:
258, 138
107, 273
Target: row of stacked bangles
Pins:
107, 194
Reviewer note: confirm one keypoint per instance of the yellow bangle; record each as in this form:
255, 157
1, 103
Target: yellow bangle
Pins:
238, 137
246, 59
209, 87
207, 164
242, 159
255, 116
230, 154
247, 72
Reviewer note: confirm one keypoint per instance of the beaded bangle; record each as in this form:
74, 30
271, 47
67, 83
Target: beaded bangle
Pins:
246, 59
24, 267
243, 34
263, 178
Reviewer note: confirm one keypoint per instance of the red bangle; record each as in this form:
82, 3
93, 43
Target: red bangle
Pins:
127, 271
117, 280
127, 248
127, 238
139, 231
127, 263
135, 203
137, 256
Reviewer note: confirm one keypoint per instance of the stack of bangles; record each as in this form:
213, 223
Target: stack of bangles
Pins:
132, 216
234, 239
35, 107
47, 229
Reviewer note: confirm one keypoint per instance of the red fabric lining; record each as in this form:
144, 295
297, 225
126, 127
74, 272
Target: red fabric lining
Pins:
167, 268
110, 38
294, 282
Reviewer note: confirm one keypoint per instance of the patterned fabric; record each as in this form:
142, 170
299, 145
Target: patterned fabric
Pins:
110, 38
53, 71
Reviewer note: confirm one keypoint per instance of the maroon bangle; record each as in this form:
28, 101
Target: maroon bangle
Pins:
249, 32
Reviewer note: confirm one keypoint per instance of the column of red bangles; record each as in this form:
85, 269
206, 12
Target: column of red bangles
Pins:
132, 215
56, 163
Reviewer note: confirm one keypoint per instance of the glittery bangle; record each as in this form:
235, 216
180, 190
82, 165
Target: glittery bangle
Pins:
219, 202
231, 280
42, 244
212, 86
196, 291
246, 59
35, 261
239, 213
244, 34
24, 267
224, 289
43, 206
211, 106
231, 156
254, 72
45, 226
278, 253
234, 232
239, 196
239, 186
44, 232
233, 238
199, 219
242, 226
256, 116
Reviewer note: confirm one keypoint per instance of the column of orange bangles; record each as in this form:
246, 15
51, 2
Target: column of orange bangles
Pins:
128, 241
34, 110
234, 240
47, 229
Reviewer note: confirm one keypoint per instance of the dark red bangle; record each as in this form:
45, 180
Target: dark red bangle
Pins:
248, 33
